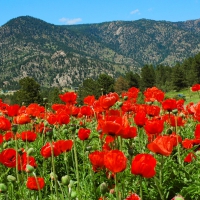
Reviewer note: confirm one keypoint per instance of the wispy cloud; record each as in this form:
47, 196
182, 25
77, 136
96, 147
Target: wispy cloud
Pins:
70, 21
135, 12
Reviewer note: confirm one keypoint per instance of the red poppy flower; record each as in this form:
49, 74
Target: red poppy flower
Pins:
97, 160
176, 139
35, 110
115, 161
69, 98
111, 127
60, 107
196, 110
8, 136
62, 118
133, 197
1, 138
59, 118
190, 108
28, 136
162, 145
75, 111
144, 165
86, 110
89, 100
8, 157
152, 110
84, 133
35, 183
5, 124
107, 101
26, 160
140, 118
187, 143
13, 110
195, 87
3, 107
169, 105
180, 104
134, 90
128, 132
128, 106
176, 121
46, 150
153, 94
22, 119
65, 145
154, 126
197, 131
190, 157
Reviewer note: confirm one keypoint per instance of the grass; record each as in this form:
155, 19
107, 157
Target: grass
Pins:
187, 93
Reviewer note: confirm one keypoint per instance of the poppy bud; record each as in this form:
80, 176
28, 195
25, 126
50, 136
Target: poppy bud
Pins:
125, 97
65, 180
5, 145
149, 103
30, 151
130, 151
169, 131
65, 131
197, 153
89, 148
29, 169
103, 188
53, 176
45, 123
3, 188
11, 178
73, 194
178, 197
45, 100
120, 104
175, 111
14, 128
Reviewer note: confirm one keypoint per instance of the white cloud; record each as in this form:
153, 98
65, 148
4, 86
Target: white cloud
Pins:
135, 12
70, 21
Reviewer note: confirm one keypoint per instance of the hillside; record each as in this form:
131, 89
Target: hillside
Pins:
66, 55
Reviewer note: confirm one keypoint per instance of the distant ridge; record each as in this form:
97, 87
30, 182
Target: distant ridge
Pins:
65, 55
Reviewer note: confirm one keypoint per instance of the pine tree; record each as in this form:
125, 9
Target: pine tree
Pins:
29, 92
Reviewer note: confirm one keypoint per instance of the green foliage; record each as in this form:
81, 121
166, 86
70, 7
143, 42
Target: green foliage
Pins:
29, 92
148, 77
103, 85
133, 79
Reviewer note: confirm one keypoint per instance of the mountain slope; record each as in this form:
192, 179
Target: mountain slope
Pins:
66, 55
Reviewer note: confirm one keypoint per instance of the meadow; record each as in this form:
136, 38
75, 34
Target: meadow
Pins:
109, 148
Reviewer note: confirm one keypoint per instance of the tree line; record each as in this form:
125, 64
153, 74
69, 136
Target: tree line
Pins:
166, 78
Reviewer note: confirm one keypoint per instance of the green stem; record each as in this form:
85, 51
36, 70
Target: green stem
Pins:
116, 188
67, 169
16, 149
38, 186
54, 171
76, 161
158, 188
61, 190
141, 193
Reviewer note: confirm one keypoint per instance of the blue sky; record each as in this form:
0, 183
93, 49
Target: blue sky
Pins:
61, 12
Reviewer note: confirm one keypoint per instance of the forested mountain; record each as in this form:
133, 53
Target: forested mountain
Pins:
66, 55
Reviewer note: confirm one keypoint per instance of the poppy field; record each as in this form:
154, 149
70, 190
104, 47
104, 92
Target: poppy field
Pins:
110, 148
